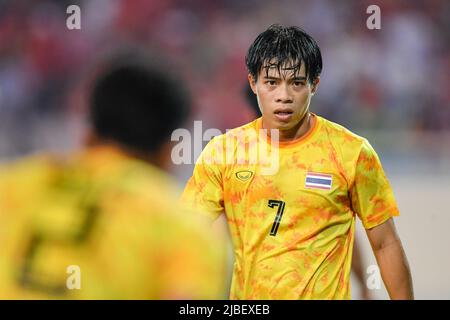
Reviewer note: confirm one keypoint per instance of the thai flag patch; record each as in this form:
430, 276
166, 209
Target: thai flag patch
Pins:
318, 181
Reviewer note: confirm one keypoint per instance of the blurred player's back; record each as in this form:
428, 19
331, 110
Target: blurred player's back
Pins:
102, 225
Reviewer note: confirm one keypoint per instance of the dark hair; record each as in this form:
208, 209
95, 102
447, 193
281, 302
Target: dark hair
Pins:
137, 105
284, 48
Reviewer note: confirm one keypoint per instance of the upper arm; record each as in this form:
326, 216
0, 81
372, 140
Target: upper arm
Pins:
382, 235
204, 190
371, 194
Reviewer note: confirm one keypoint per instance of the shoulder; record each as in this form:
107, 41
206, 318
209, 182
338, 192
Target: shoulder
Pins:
23, 182
347, 142
340, 133
349, 149
246, 130
216, 147
28, 170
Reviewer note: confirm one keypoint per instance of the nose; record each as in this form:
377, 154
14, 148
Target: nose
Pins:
283, 94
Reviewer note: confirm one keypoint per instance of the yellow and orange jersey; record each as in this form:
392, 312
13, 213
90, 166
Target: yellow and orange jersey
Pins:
102, 226
292, 228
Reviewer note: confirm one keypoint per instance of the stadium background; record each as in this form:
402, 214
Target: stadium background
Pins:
389, 85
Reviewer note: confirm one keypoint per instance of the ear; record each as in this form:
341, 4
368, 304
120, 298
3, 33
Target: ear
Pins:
252, 82
315, 85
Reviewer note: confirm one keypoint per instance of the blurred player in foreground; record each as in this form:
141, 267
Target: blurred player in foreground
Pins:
293, 228
103, 224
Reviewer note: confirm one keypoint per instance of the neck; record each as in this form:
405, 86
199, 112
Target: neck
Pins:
129, 152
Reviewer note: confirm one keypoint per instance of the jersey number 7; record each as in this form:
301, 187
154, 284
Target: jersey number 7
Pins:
280, 204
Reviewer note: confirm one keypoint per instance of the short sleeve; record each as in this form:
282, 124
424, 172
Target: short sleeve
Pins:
204, 190
371, 194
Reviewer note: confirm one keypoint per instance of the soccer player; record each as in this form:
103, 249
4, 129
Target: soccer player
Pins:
102, 224
293, 228
357, 262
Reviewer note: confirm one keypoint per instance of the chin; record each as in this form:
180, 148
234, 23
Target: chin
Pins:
285, 124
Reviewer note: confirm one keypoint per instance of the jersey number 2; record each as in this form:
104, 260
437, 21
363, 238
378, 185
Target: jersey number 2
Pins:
280, 204
29, 277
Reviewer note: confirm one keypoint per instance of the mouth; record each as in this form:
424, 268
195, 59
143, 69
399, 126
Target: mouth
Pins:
283, 114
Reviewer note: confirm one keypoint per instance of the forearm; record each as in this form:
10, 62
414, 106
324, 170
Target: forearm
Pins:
395, 270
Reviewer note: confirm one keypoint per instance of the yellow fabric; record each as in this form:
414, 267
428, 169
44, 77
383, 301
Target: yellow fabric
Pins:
114, 218
310, 255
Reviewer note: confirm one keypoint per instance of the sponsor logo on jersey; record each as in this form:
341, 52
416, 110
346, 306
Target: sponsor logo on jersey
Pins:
244, 175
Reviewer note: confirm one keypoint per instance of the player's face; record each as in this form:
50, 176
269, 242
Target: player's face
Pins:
283, 97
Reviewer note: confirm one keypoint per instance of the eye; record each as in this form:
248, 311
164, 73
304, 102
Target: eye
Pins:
299, 83
271, 82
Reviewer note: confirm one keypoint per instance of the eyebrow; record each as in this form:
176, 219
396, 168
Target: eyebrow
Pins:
278, 78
